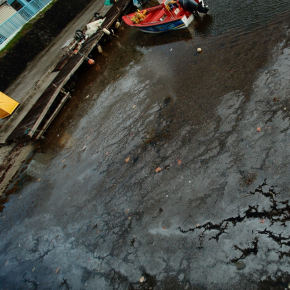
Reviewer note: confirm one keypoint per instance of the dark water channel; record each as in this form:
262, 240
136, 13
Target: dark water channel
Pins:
248, 14
93, 213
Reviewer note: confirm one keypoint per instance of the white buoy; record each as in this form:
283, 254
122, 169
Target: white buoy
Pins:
100, 50
199, 50
117, 24
142, 279
105, 30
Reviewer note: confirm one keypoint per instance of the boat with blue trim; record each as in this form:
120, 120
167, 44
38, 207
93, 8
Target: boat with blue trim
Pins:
169, 15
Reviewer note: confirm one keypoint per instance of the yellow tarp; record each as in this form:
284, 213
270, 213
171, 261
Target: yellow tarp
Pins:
7, 105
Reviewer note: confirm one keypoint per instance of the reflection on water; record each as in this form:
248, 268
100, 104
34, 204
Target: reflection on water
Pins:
148, 39
203, 24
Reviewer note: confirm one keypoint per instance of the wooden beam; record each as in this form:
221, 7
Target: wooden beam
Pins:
53, 97
49, 121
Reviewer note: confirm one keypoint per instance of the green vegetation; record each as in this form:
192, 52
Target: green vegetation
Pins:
25, 28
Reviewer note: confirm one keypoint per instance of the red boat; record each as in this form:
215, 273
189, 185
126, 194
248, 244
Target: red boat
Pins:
170, 15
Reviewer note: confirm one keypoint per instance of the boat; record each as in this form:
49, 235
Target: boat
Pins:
169, 15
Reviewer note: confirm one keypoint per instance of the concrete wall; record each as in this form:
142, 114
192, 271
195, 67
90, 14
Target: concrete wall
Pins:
6, 11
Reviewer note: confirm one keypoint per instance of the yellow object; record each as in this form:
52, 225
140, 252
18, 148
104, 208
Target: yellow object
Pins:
139, 17
7, 105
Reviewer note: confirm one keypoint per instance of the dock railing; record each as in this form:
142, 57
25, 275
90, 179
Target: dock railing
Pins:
17, 20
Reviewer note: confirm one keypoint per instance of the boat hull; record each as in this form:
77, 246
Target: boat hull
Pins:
160, 27
160, 18
175, 25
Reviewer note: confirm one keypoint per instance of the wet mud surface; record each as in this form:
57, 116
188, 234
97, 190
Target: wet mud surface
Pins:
93, 212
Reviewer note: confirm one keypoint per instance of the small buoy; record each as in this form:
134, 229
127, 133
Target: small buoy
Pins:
142, 279
105, 30
117, 24
199, 50
100, 50
91, 61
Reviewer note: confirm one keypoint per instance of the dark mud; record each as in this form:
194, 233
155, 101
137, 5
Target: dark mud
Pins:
19, 177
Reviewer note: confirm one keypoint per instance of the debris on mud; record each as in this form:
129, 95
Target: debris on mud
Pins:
248, 178
240, 265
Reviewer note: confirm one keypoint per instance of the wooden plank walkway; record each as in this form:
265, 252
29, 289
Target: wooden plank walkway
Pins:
28, 126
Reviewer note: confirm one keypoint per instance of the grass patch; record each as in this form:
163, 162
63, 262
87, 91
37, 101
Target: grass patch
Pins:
25, 28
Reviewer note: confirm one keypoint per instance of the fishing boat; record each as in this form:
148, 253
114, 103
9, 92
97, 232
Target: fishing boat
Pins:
169, 15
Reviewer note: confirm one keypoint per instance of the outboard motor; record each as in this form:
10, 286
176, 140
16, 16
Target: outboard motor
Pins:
194, 6
79, 36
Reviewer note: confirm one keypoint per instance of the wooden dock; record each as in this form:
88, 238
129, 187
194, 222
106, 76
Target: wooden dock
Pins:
42, 113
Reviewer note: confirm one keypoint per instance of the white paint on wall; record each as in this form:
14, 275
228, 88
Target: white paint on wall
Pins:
6, 11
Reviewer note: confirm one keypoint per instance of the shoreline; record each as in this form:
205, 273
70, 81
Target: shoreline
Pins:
12, 157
